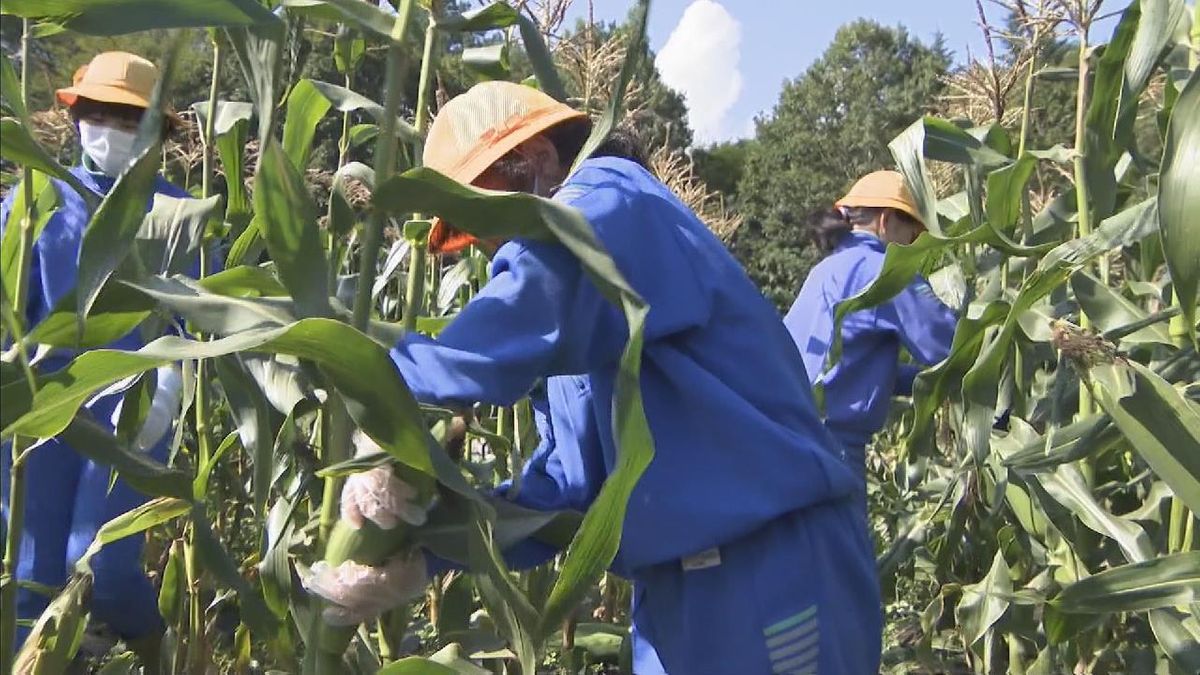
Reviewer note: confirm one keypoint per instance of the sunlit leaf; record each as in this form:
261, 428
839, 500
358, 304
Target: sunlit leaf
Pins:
151, 514
1167, 581
289, 226
117, 17
1179, 201
1160, 423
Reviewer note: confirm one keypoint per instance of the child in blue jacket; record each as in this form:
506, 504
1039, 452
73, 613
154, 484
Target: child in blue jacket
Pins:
67, 497
741, 538
877, 211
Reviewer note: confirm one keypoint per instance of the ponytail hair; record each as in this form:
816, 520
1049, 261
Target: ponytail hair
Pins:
827, 227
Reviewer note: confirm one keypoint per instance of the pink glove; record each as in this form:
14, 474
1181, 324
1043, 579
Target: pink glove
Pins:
357, 593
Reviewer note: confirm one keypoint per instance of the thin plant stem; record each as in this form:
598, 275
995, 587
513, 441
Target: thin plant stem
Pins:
335, 420
210, 125
1178, 524
1083, 197
1027, 99
196, 649
414, 294
20, 444
385, 166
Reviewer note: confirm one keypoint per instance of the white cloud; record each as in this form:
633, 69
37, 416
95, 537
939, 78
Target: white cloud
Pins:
702, 60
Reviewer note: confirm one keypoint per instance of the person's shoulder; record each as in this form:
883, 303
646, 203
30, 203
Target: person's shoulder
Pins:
165, 187
599, 174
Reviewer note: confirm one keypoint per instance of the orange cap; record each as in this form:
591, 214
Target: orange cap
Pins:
882, 189
114, 77
474, 130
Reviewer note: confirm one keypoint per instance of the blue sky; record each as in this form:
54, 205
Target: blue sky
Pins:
775, 41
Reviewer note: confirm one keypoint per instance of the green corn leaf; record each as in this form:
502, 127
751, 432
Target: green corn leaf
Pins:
289, 226
117, 17
938, 139
55, 639
259, 52
168, 241
109, 236
252, 414
1159, 422
984, 603
365, 16
1179, 636
980, 384
516, 619
1179, 201
490, 62
542, 61
499, 15
217, 562
1109, 310
1006, 192
135, 404
11, 100
1068, 487
151, 514
1087, 437
231, 129
248, 247
360, 369
491, 16
446, 532
204, 472
415, 665
212, 313
275, 570
305, 107
45, 200
345, 100
95, 442
174, 586
1167, 581
1159, 20
244, 281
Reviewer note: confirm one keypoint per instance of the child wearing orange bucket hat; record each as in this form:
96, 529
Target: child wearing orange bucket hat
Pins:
877, 210
741, 537
68, 497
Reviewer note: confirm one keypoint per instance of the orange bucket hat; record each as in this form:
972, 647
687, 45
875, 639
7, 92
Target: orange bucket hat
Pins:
114, 77
474, 130
882, 189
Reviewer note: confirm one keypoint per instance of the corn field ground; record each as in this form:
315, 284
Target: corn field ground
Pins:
1034, 505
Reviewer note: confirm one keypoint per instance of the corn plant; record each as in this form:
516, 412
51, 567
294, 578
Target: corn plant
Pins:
1046, 486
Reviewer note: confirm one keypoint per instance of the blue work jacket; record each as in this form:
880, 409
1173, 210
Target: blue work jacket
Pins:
737, 435
54, 268
859, 387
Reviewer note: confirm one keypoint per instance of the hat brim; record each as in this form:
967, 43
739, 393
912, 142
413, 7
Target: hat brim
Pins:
69, 96
881, 203
444, 238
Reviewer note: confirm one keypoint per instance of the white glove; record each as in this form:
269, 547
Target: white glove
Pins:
168, 394
357, 593
378, 495
382, 498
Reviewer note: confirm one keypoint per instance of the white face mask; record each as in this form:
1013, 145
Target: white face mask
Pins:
111, 149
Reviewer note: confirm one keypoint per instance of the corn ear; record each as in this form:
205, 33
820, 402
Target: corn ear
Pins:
56, 636
367, 545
